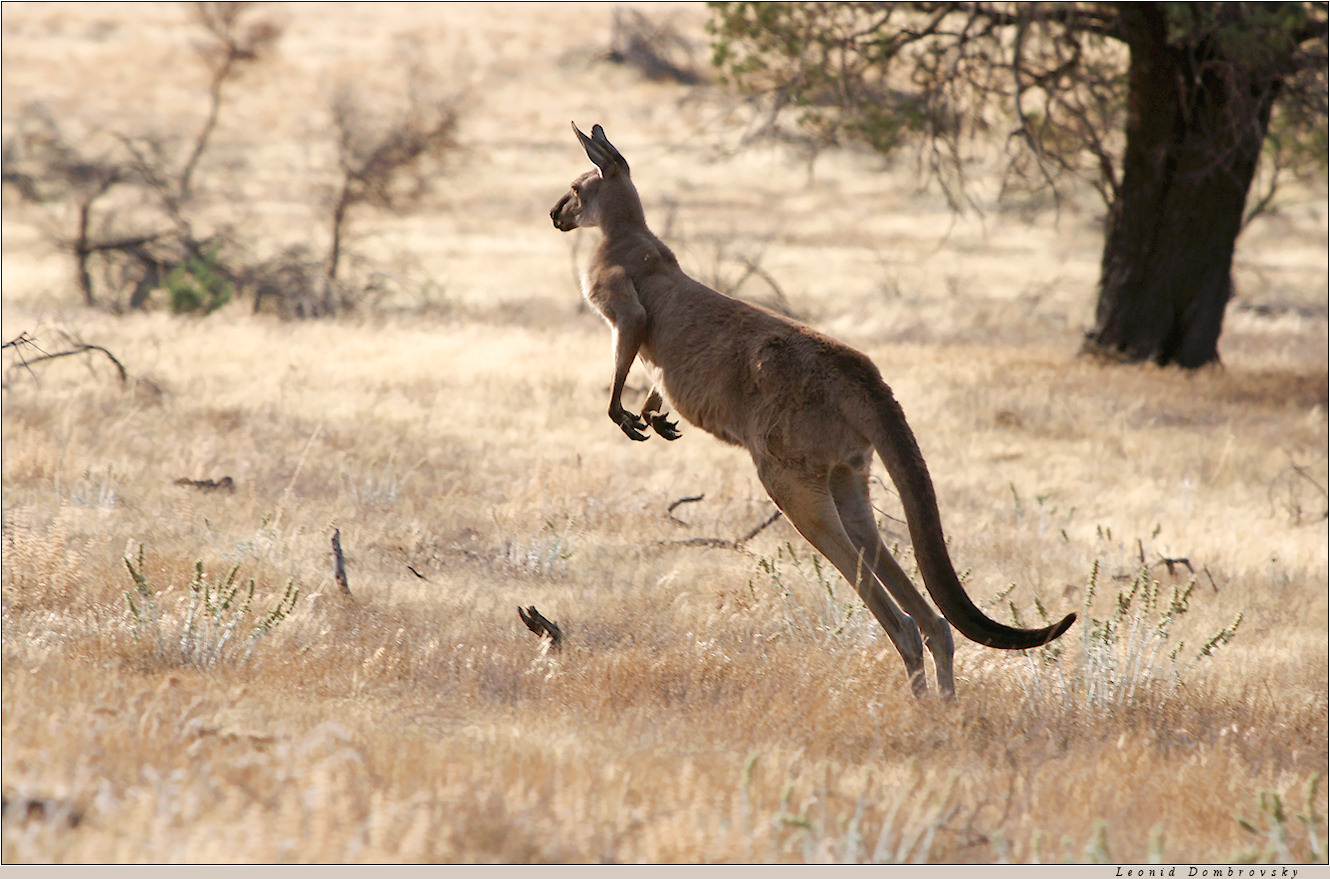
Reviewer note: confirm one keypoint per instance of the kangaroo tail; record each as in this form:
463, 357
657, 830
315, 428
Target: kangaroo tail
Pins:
896, 445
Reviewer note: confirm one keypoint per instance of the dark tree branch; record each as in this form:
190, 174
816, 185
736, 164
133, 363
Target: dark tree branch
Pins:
80, 347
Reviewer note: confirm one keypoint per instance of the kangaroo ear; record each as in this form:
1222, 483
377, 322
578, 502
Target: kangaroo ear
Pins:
598, 135
601, 152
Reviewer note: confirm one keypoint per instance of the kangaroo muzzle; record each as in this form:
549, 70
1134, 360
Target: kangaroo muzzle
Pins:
562, 223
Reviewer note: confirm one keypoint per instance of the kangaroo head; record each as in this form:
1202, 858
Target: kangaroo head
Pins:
603, 197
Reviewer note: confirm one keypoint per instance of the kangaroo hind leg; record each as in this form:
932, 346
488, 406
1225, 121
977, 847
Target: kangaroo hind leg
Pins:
849, 489
807, 502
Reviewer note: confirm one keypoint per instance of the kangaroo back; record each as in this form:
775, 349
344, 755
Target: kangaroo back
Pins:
895, 444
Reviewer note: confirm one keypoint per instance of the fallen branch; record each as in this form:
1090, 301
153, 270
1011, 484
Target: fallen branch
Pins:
226, 483
669, 511
1163, 560
720, 542
20, 344
751, 534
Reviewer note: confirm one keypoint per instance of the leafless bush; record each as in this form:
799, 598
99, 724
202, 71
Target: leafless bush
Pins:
292, 283
382, 155
385, 154
655, 49
232, 42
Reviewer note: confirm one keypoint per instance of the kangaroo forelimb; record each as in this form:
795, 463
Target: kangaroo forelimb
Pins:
617, 300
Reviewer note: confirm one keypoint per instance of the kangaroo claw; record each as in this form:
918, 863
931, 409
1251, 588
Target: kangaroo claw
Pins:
666, 428
632, 426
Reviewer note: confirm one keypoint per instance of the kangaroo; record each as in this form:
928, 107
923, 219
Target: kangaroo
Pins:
808, 409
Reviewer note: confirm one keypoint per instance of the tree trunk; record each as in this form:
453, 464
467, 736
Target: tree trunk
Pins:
1195, 125
82, 251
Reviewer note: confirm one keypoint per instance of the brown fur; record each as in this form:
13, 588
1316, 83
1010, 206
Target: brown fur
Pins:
810, 411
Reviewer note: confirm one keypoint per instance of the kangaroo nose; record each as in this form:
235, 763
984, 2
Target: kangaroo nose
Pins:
559, 206
554, 215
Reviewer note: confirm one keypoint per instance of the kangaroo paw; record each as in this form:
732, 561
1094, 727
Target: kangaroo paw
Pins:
631, 425
666, 428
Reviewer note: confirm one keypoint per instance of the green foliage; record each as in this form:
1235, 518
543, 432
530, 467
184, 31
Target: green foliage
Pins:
1277, 840
541, 555
1252, 35
198, 285
1128, 654
809, 597
212, 628
905, 834
829, 62
882, 74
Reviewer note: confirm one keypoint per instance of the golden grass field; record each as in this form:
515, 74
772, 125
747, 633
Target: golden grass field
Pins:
711, 704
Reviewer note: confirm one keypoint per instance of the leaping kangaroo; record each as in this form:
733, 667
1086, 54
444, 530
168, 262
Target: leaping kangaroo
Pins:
810, 411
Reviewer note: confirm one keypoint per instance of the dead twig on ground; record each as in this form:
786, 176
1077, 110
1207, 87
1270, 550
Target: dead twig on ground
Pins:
339, 561
83, 348
751, 534
669, 511
546, 629
19, 341
226, 483
1171, 563
717, 542
20, 344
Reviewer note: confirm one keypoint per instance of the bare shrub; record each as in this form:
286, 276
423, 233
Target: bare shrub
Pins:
384, 156
655, 49
381, 157
232, 42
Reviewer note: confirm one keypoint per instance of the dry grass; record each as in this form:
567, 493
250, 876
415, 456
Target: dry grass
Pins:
706, 708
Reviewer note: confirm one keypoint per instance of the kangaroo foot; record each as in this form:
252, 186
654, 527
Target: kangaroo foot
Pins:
666, 428
631, 425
